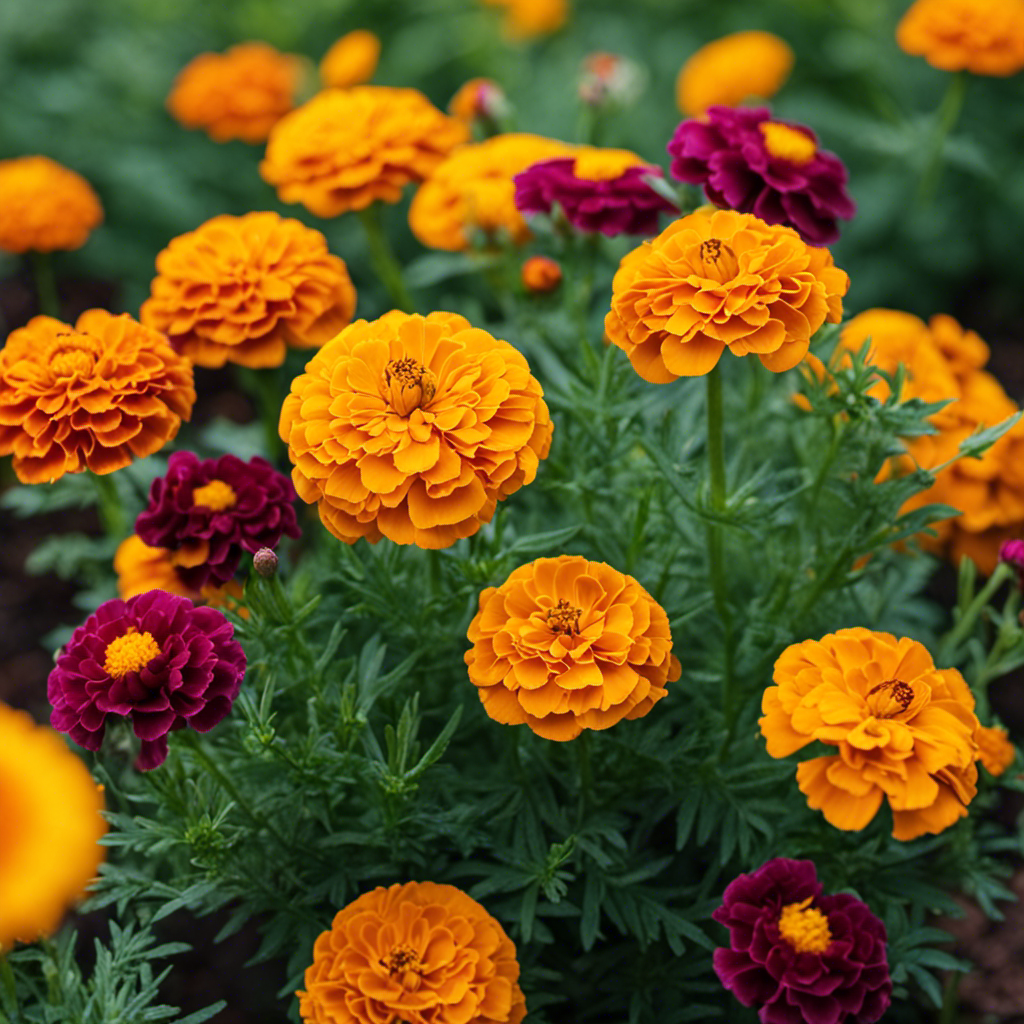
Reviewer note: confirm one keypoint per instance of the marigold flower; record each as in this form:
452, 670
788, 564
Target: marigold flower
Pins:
479, 99
985, 37
421, 953
1012, 553
721, 279
240, 94
244, 289
413, 428
155, 659
528, 19
94, 396
729, 70
995, 751
50, 807
45, 206
347, 148
903, 729
351, 60
541, 274
565, 645
799, 955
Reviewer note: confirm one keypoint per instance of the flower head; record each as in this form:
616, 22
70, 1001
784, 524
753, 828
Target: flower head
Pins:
541, 274
94, 396
244, 289
565, 645
717, 280
609, 78
155, 659
413, 428
1012, 553
985, 37
995, 751
799, 956
528, 19
351, 60
479, 99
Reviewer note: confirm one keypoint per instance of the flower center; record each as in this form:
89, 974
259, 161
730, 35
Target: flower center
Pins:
891, 698
129, 653
804, 927
604, 164
717, 259
785, 143
216, 496
400, 960
408, 385
564, 618
72, 355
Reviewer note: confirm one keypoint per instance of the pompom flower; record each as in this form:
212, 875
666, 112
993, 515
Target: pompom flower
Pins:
729, 70
240, 94
904, 731
717, 280
420, 953
565, 644
799, 956
94, 396
245, 289
351, 60
746, 161
413, 428
995, 751
50, 808
155, 659
529, 19
541, 274
45, 206
347, 148
985, 37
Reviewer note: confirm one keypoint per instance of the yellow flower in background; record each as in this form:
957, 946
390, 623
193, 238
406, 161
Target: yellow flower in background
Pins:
352, 60
528, 19
985, 37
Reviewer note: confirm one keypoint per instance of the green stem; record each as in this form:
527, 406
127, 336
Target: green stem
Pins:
112, 516
948, 113
10, 989
265, 387
46, 283
956, 636
950, 999
586, 776
382, 258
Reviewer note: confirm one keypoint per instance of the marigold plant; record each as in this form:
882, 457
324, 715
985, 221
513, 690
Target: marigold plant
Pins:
351, 60
985, 37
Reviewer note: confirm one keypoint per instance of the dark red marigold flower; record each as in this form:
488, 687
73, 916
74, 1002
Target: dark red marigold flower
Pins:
799, 956
208, 513
155, 659
745, 161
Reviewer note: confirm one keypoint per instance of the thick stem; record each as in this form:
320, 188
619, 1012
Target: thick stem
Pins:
948, 113
956, 636
112, 516
45, 282
382, 258
951, 999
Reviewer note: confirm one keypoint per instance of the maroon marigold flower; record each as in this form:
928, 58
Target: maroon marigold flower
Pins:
745, 161
155, 659
208, 513
799, 956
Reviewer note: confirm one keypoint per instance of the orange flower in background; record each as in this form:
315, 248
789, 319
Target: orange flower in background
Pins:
478, 99
45, 206
719, 279
352, 60
347, 148
413, 428
245, 289
94, 396
240, 94
995, 751
420, 953
528, 19
982, 36
904, 730
541, 274
963, 350
49, 848
565, 645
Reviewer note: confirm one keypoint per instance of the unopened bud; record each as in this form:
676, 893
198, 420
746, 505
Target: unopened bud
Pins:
609, 78
541, 274
265, 562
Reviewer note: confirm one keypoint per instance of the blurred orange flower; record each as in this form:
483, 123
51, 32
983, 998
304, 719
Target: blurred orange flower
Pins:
541, 274
982, 36
995, 751
351, 61
527, 19
479, 98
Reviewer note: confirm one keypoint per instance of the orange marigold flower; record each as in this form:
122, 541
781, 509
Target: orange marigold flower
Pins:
45, 206
94, 396
413, 428
240, 94
472, 190
982, 36
541, 274
479, 98
351, 61
528, 19
718, 279
731, 69
50, 808
347, 148
420, 953
244, 289
964, 351
903, 730
995, 751
565, 645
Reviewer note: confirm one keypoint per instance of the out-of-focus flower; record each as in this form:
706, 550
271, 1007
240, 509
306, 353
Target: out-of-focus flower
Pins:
265, 562
964, 351
347, 148
609, 78
729, 70
565, 644
541, 274
1012, 553
418, 952
904, 731
413, 428
45, 206
351, 60
995, 751
244, 289
799, 956
479, 99
51, 826
155, 659
717, 280
985, 37
94, 396
528, 19
240, 94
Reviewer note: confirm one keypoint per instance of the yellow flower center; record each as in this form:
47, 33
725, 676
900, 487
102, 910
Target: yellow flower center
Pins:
216, 496
604, 164
72, 354
564, 618
408, 385
785, 143
129, 653
804, 927
405, 962
891, 698
717, 259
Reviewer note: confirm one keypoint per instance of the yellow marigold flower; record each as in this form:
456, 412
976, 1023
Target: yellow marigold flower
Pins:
45, 206
720, 279
904, 730
995, 751
528, 19
244, 289
541, 274
419, 952
50, 808
730, 69
472, 190
982, 36
413, 428
347, 148
351, 61
94, 396
240, 94
565, 645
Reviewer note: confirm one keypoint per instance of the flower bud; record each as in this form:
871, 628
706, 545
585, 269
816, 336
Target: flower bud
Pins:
608, 78
265, 562
541, 274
